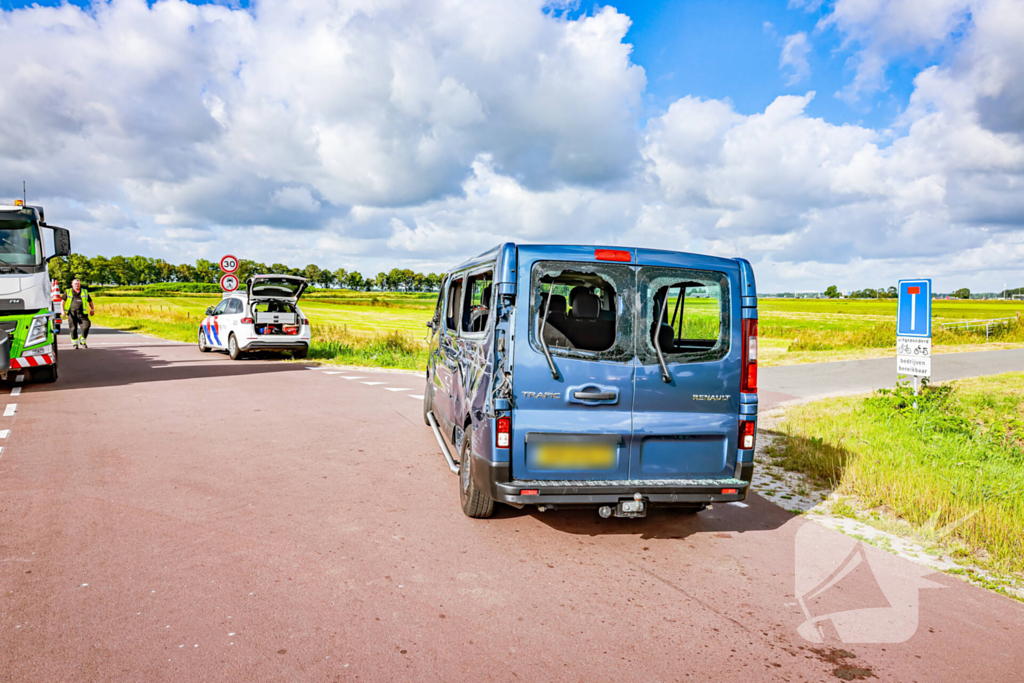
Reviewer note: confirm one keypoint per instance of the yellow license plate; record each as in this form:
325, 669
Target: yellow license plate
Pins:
575, 456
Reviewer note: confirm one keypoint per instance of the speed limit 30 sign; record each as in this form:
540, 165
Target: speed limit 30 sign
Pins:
229, 264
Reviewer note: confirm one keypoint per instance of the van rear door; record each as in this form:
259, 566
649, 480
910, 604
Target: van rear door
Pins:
573, 423
686, 405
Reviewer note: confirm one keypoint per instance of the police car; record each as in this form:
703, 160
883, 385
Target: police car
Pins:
265, 317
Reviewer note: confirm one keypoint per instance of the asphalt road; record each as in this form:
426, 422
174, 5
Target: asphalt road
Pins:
172, 515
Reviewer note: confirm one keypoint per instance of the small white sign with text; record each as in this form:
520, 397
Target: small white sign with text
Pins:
914, 356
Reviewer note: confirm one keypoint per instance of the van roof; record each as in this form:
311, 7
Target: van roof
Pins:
492, 253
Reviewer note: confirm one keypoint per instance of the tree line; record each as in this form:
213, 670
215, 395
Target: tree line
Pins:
129, 271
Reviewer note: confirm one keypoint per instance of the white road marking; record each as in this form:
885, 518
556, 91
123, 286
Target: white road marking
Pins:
15, 391
19, 378
372, 383
419, 397
10, 410
398, 389
335, 372
353, 378
738, 504
4, 433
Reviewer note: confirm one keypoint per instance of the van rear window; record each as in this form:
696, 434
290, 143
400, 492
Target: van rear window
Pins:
688, 310
578, 309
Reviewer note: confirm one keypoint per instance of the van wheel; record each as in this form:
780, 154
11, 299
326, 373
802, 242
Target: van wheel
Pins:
428, 402
233, 350
300, 354
203, 346
475, 503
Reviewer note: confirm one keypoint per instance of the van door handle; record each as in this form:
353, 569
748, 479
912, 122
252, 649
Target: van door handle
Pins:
593, 395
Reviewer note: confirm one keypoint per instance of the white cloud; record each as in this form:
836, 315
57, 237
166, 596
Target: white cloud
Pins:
793, 59
376, 133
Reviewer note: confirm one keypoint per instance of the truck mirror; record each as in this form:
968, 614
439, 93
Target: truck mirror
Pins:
61, 241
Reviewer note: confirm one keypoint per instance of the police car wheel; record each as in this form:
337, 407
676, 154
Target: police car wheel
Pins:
233, 350
475, 503
203, 346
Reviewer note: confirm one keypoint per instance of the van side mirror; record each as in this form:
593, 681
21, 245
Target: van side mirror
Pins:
432, 325
209, 310
61, 241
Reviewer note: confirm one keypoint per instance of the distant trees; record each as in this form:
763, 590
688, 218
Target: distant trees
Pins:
962, 293
832, 292
141, 270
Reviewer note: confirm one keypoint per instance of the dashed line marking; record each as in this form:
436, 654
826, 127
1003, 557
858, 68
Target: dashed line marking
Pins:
371, 384
4, 433
335, 372
353, 378
398, 389
19, 378
419, 397
10, 410
15, 391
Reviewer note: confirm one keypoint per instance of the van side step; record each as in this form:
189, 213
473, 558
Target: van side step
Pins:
452, 465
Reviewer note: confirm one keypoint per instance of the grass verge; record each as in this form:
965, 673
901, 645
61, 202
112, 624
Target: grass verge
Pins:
334, 343
953, 467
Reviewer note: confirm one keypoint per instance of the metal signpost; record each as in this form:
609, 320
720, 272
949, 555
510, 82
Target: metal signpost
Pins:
229, 281
914, 330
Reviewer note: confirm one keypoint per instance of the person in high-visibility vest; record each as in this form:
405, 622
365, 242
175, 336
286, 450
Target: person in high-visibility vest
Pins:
74, 306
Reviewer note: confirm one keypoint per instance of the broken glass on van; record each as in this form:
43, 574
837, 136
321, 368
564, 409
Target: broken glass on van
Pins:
688, 309
584, 309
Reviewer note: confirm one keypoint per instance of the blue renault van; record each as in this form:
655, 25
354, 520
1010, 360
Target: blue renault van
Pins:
620, 379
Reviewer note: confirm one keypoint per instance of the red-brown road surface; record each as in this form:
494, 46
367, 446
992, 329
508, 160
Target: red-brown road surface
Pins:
172, 515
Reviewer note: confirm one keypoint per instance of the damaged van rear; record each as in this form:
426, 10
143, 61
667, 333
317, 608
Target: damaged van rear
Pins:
618, 379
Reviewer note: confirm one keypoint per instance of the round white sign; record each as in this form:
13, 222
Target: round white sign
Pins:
229, 264
228, 282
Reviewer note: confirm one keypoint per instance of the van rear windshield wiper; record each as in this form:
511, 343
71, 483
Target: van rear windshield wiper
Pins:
541, 324
657, 342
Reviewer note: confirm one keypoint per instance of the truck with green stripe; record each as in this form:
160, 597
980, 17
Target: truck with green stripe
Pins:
27, 335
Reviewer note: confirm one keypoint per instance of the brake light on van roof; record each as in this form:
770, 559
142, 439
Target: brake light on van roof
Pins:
613, 255
748, 381
503, 434
747, 428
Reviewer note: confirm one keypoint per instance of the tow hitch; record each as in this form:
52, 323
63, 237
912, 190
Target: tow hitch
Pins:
625, 508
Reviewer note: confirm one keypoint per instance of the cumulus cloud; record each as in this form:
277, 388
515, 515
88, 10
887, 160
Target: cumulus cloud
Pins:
375, 133
793, 60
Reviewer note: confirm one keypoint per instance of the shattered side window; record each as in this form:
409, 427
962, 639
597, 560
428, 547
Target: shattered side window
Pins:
590, 312
688, 309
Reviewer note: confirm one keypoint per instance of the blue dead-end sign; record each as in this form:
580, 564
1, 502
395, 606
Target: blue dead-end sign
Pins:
914, 309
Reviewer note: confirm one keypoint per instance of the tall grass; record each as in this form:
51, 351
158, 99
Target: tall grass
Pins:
882, 335
957, 459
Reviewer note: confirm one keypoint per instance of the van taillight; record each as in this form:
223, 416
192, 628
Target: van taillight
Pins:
746, 434
748, 383
612, 255
247, 321
504, 433
303, 321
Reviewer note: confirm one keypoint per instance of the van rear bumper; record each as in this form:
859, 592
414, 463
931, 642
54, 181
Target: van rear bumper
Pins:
602, 492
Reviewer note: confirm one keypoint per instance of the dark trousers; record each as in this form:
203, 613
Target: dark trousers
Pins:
79, 321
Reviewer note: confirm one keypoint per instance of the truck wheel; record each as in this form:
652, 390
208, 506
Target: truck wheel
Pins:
428, 402
475, 503
203, 346
300, 354
233, 350
45, 374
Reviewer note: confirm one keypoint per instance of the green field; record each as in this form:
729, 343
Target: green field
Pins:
956, 462
791, 330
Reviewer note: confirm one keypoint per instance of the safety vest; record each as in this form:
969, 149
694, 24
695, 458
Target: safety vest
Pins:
86, 300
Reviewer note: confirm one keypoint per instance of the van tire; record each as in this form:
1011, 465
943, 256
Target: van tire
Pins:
475, 503
233, 351
428, 403
299, 354
203, 346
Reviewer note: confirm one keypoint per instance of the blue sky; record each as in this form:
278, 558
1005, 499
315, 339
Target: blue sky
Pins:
407, 133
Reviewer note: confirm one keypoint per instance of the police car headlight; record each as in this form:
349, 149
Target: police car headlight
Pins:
37, 331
